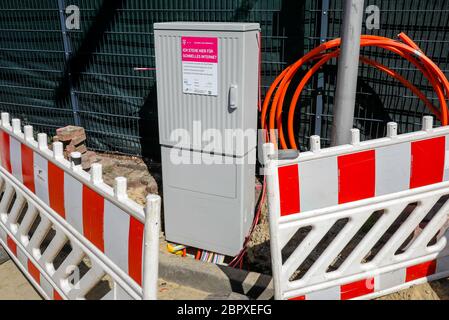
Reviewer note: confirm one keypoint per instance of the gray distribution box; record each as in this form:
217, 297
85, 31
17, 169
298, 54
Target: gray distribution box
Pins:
207, 91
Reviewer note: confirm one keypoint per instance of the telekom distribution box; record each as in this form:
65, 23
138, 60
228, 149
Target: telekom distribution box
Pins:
207, 90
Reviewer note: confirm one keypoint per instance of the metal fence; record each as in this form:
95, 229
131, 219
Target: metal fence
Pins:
379, 98
52, 77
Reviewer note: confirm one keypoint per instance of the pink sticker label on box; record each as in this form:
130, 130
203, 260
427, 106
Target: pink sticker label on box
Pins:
199, 57
199, 49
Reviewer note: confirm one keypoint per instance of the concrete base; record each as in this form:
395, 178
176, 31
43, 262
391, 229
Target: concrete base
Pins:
220, 281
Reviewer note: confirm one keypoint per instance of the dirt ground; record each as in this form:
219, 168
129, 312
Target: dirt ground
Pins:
14, 286
436, 290
140, 181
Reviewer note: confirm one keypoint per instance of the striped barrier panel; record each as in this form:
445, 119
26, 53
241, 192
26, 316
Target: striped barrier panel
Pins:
49, 207
362, 220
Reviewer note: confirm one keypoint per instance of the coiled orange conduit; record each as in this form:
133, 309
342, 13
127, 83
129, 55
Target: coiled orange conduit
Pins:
406, 49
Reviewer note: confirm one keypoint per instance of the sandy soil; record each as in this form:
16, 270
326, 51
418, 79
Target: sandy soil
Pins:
436, 290
173, 291
140, 181
15, 286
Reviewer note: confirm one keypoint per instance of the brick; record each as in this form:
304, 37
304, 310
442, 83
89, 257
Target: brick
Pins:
78, 140
69, 148
81, 148
72, 148
88, 159
75, 141
70, 132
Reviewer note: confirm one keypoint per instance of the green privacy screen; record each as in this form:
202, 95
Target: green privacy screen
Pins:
92, 79
51, 77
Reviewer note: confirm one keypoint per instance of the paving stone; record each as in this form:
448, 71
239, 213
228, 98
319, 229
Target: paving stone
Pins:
70, 132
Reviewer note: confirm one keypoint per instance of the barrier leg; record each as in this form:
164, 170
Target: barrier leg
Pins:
151, 247
273, 214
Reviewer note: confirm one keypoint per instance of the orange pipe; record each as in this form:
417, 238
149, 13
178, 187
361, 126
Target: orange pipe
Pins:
379, 66
406, 83
408, 50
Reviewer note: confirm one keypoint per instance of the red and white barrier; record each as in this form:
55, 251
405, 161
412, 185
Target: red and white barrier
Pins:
102, 218
365, 170
349, 201
28, 267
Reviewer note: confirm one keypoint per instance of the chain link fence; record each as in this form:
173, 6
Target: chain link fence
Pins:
381, 98
52, 77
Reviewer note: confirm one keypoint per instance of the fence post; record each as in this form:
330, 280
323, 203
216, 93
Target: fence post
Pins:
151, 247
348, 67
67, 53
320, 83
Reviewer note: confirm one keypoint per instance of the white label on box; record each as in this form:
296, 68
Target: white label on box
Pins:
200, 65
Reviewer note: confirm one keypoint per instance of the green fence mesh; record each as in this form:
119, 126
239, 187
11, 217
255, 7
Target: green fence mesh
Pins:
90, 78
115, 104
32, 62
380, 98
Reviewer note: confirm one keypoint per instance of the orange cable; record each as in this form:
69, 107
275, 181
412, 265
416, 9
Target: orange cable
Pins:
327, 51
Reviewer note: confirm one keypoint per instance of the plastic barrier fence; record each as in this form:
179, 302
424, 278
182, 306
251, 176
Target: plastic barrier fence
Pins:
71, 234
361, 220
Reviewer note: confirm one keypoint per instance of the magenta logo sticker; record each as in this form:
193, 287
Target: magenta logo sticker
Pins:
199, 49
199, 65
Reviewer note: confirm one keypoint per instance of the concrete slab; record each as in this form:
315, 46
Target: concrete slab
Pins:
218, 280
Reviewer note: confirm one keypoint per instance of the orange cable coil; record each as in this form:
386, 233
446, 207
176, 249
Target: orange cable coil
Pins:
406, 49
